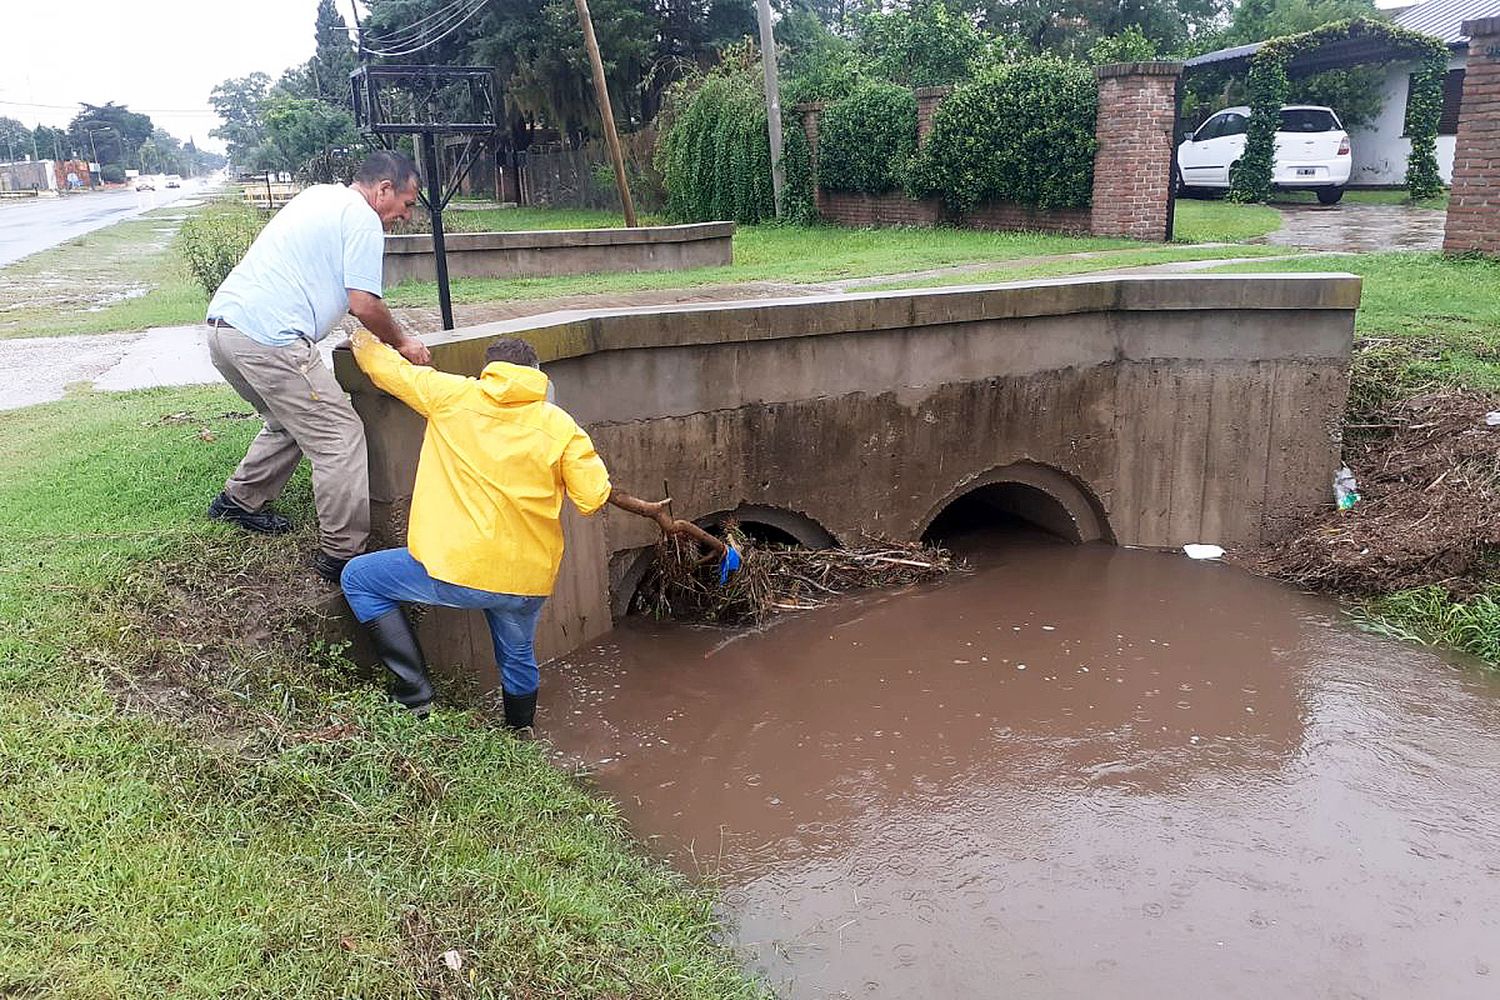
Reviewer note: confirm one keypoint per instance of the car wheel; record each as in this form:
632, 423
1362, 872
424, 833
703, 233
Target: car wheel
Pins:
1330, 195
1179, 188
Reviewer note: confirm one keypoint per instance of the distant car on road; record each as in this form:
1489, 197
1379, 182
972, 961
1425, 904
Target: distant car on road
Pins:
174, 181
1312, 152
144, 185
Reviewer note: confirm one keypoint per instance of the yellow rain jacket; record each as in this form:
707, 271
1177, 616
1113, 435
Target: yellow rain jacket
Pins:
496, 460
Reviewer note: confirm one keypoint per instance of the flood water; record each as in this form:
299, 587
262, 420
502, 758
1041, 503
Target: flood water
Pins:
1072, 772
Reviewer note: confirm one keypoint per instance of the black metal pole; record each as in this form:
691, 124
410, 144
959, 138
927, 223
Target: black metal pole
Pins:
435, 209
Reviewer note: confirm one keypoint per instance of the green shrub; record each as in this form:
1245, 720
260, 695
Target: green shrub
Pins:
1129, 46
215, 240
112, 173
1021, 132
715, 151
866, 139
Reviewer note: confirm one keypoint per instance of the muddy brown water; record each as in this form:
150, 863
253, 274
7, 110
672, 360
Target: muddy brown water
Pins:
1073, 771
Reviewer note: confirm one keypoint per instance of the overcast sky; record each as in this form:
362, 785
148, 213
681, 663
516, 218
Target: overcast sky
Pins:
161, 57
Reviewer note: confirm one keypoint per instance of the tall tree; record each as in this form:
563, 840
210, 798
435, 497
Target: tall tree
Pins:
15, 139
238, 102
112, 131
333, 59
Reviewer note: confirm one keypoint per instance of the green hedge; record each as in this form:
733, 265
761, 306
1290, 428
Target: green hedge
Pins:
867, 138
715, 152
214, 240
1020, 132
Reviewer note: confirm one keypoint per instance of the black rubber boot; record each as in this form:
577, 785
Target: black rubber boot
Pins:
396, 645
262, 522
520, 709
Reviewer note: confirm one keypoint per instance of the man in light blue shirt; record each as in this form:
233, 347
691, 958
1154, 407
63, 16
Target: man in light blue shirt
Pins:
319, 258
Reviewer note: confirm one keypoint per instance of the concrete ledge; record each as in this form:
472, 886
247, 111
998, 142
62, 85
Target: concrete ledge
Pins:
578, 332
1154, 68
546, 252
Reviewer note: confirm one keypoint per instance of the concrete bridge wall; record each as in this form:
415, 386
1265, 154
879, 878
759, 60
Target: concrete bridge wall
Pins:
1152, 410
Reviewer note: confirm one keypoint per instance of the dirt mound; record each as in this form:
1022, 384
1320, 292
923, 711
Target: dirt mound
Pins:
203, 636
1429, 513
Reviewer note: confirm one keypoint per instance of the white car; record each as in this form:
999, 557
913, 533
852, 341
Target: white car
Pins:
1312, 152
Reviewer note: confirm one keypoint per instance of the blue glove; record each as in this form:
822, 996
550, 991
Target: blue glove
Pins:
730, 563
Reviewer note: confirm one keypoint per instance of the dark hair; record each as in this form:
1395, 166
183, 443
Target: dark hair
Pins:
516, 352
387, 165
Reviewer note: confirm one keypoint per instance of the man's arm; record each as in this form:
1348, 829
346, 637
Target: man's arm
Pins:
375, 316
421, 388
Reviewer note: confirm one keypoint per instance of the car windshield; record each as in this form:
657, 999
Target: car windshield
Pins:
1308, 120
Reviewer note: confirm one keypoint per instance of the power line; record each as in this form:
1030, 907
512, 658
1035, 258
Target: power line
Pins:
408, 33
142, 111
449, 29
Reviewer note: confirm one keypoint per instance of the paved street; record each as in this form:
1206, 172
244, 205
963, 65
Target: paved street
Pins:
27, 227
1364, 228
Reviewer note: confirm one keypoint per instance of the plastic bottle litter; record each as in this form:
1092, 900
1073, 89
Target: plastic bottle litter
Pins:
1345, 489
1492, 418
1196, 550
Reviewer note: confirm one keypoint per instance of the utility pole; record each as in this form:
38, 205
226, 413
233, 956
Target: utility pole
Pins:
773, 99
601, 92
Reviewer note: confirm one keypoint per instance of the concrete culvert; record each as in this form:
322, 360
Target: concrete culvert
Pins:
1024, 496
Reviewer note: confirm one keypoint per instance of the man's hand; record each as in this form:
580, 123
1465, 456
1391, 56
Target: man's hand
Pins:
415, 351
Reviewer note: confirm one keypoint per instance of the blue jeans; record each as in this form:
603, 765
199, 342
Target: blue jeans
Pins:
379, 582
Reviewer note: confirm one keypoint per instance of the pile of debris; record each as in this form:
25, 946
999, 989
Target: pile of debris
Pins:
774, 579
1429, 510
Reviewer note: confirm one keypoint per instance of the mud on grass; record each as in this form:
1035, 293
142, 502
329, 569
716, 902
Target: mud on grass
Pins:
1429, 509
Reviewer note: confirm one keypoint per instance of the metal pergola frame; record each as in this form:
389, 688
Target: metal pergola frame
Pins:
372, 116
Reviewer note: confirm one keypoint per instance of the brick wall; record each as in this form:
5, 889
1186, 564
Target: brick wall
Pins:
1474, 202
850, 208
1132, 168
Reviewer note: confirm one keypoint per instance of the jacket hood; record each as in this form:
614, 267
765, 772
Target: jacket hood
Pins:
505, 383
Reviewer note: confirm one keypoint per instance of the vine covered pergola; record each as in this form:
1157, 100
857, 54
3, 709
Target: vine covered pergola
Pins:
1273, 64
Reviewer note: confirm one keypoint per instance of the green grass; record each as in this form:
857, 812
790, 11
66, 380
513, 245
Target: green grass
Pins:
1425, 321
791, 255
120, 278
1397, 196
1204, 221
1428, 615
271, 828
495, 220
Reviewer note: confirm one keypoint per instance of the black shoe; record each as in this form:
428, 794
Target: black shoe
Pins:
396, 645
520, 709
261, 521
329, 567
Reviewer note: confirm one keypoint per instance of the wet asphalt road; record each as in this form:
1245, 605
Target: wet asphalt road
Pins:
34, 225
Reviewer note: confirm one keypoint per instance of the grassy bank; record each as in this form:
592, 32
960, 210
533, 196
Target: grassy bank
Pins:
124, 277
1427, 324
201, 802
817, 254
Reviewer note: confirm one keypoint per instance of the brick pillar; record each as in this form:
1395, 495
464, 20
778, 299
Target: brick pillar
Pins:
1133, 166
1474, 202
928, 99
810, 113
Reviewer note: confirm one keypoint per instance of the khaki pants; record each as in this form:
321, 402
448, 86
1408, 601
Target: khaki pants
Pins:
306, 413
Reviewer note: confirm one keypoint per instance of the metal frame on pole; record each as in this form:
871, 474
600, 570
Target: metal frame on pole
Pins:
420, 92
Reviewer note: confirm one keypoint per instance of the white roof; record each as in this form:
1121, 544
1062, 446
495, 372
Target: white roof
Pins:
1443, 19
